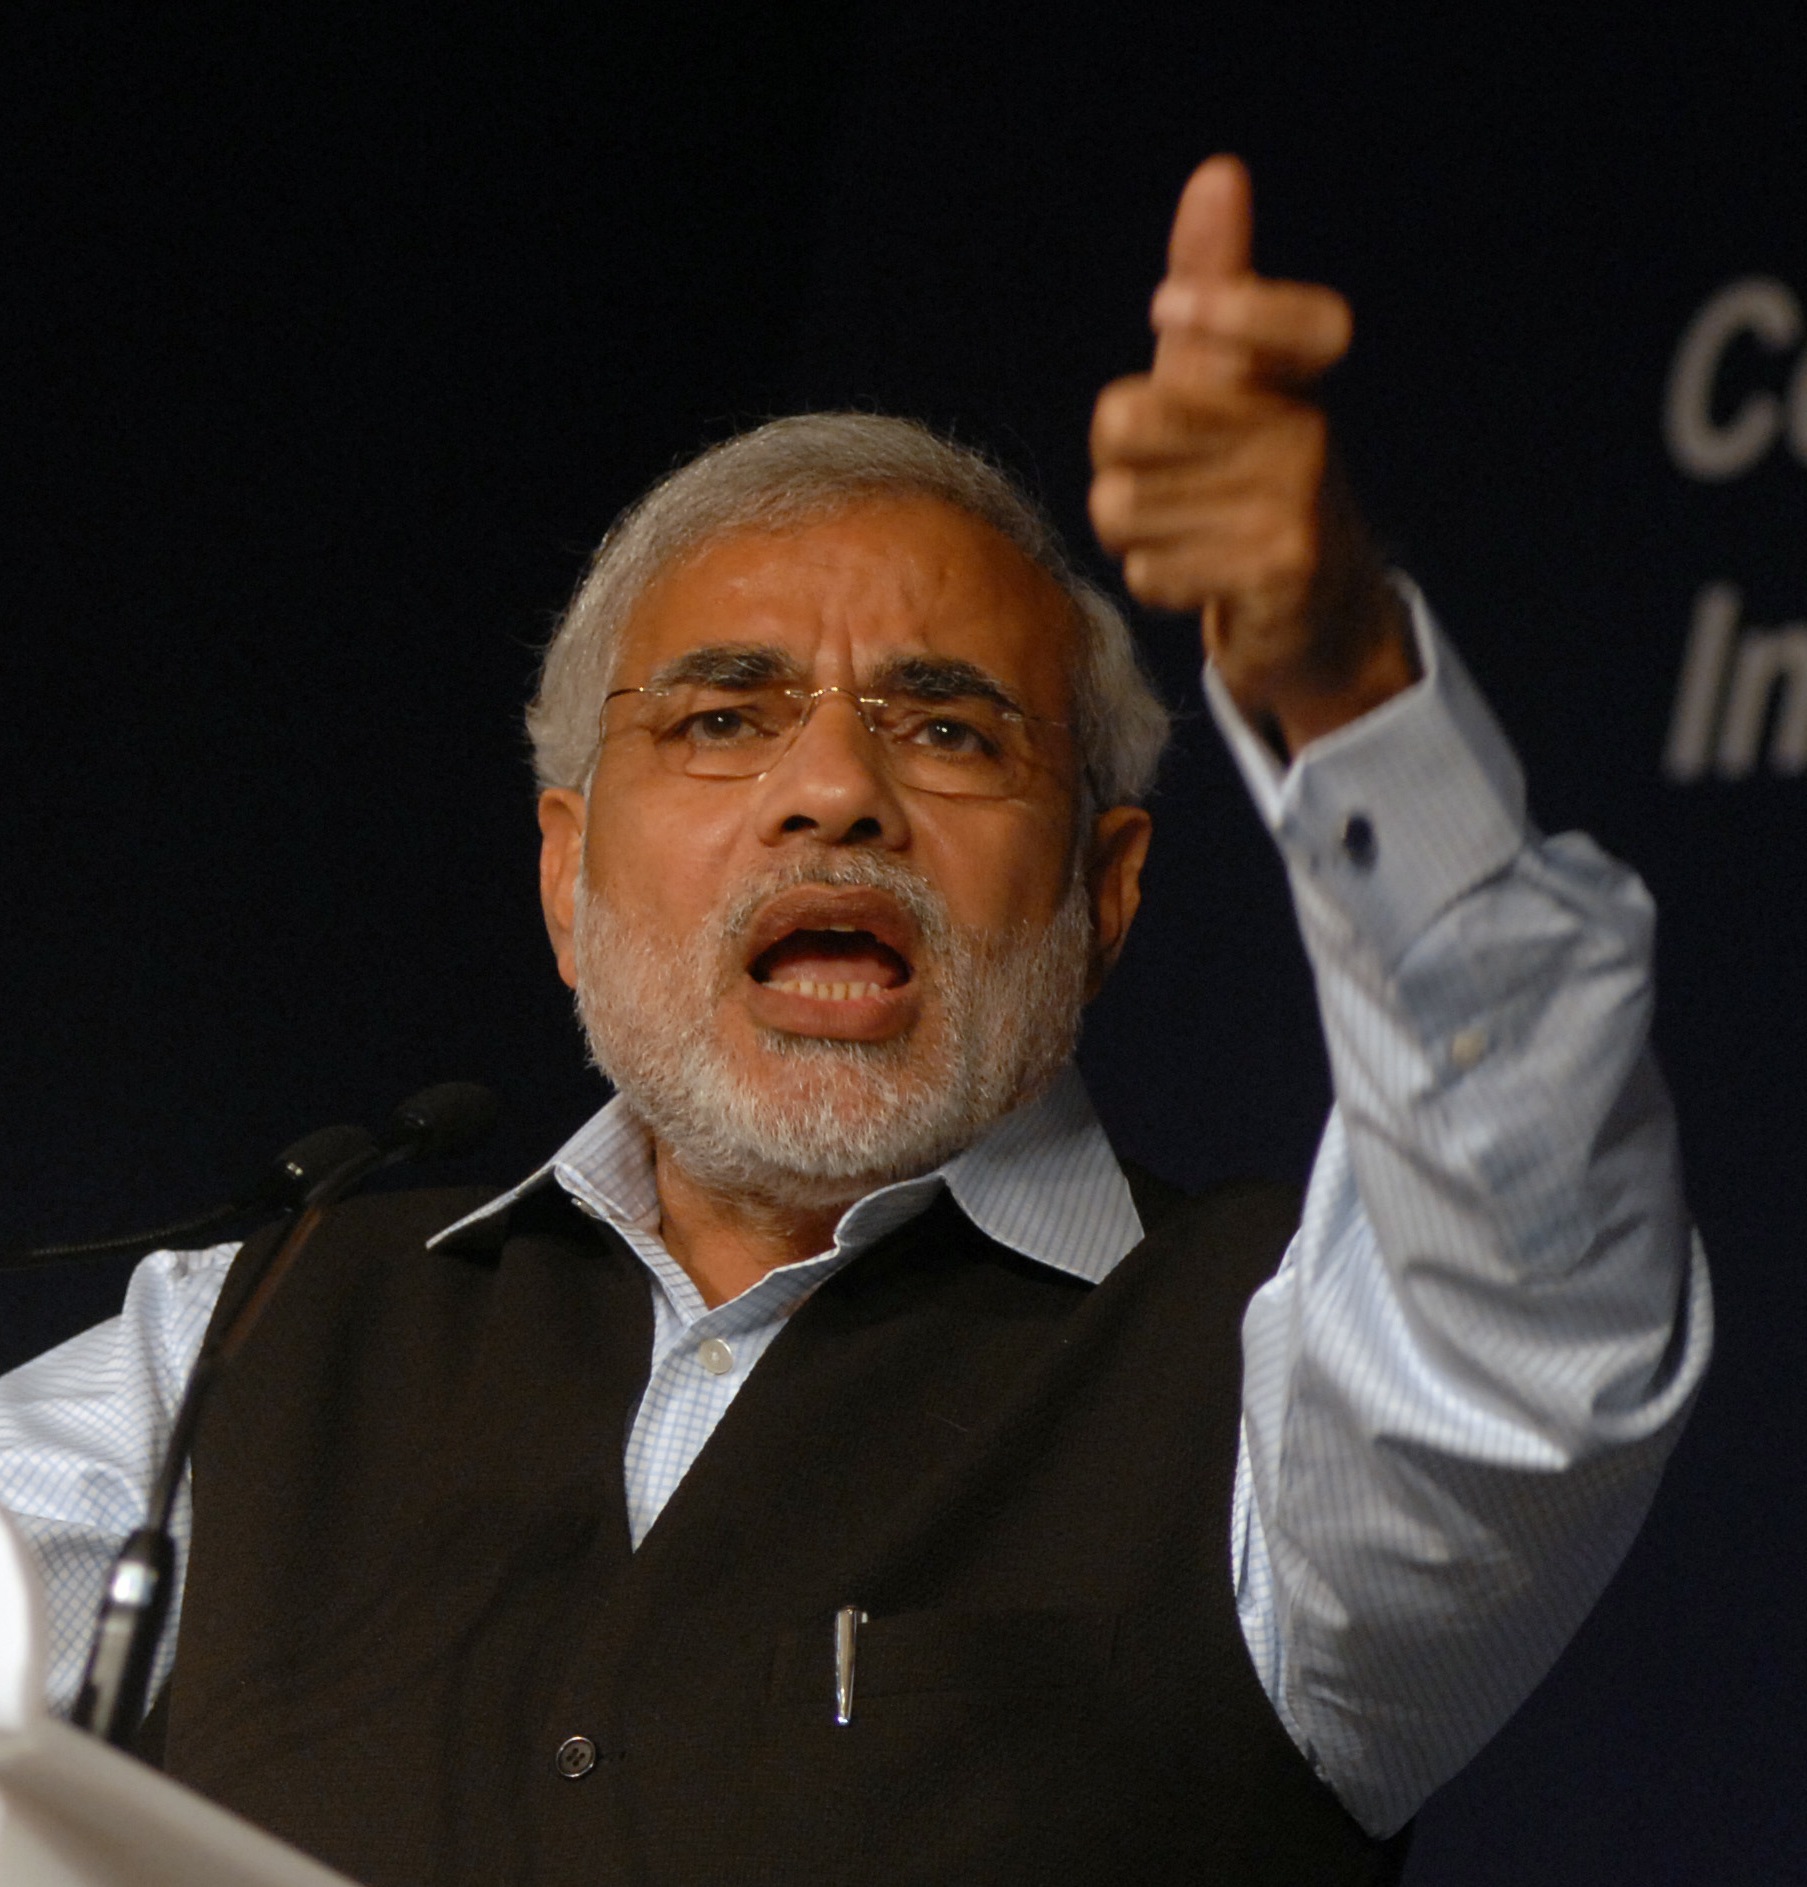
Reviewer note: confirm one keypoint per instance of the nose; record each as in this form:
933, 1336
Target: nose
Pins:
832, 784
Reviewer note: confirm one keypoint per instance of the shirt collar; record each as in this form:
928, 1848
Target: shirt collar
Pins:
1042, 1181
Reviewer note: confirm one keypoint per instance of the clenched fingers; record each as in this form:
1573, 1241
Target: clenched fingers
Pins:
1166, 469
1245, 546
1141, 421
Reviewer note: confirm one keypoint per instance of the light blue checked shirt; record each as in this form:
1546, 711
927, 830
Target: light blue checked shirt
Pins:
1462, 1383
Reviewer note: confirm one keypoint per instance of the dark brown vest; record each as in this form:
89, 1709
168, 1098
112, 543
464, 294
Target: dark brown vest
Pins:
411, 1579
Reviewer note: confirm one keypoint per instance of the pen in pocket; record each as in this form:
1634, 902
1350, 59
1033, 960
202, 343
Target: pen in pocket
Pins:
847, 1623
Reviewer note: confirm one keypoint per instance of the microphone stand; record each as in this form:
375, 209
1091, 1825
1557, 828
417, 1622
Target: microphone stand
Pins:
135, 1607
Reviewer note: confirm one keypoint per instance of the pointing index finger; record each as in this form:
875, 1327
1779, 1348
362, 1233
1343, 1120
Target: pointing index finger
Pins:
1291, 330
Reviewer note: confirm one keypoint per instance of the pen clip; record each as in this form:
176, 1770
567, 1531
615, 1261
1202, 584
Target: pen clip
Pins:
847, 1623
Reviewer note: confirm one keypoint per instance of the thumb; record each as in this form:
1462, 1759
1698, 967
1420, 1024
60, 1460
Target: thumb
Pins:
1211, 228
1210, 242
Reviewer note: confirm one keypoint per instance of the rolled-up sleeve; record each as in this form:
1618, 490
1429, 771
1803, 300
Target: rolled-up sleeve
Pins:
1462, 1384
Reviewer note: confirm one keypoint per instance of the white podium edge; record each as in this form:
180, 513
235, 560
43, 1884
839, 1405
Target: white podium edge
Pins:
74, 1810
129, 1823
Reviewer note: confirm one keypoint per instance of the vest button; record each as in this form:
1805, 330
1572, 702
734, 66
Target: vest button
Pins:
715, 1356
576, 1756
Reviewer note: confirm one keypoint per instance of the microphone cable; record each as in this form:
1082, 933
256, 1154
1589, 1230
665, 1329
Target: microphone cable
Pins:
279, 1188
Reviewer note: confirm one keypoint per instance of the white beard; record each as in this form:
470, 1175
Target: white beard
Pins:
819, 1122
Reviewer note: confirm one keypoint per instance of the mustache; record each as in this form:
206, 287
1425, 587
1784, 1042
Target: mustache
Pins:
865, 871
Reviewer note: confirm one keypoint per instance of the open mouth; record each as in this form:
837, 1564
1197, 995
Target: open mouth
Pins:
843, 950
835, 963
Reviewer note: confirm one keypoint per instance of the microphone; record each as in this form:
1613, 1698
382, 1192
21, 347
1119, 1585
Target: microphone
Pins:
438, 1121
281, 1187
301, 1167
434, 1124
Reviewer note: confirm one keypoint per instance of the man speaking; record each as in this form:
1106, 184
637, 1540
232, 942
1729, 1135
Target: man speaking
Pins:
833, 1465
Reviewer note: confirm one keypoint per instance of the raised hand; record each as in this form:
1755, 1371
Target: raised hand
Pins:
1215, 483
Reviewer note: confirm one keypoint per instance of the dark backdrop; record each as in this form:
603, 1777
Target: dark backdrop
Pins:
333, 338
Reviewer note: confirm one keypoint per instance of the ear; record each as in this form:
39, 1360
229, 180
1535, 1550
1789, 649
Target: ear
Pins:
1119, 845
561, 859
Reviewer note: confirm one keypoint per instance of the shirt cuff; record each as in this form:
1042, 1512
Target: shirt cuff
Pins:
1394, 817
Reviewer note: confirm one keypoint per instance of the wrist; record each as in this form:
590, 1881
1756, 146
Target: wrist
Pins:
1374, 662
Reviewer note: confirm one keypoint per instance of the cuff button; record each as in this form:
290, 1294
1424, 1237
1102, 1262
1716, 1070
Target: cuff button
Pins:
1360, 846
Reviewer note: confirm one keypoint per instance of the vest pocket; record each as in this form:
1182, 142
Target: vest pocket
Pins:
983, 1651
919, 1654
968, 1731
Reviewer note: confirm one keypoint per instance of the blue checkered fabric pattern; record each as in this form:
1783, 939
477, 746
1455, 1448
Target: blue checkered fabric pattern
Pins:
1461, 1385
82, 1429
1044, 1182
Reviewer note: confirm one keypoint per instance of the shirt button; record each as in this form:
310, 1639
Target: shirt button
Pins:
1359, 843
1466, 1047
715, 1356
576, 1756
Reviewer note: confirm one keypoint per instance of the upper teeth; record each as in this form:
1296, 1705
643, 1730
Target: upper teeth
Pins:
831, 992
845, 927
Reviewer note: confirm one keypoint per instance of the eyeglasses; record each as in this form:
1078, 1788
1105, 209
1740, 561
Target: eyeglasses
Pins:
968, 746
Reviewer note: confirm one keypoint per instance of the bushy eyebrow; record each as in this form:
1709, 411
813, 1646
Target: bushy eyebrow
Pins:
940, 678
758, 664
727, 665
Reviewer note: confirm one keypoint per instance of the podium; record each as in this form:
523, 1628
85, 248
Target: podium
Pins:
76, 1813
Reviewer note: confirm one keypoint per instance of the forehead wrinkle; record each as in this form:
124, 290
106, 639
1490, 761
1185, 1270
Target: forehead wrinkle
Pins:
727, 665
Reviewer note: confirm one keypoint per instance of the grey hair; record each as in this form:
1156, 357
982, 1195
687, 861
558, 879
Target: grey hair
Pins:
793, 471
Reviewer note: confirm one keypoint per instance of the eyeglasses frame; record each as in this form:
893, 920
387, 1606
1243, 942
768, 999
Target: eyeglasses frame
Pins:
810, 696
